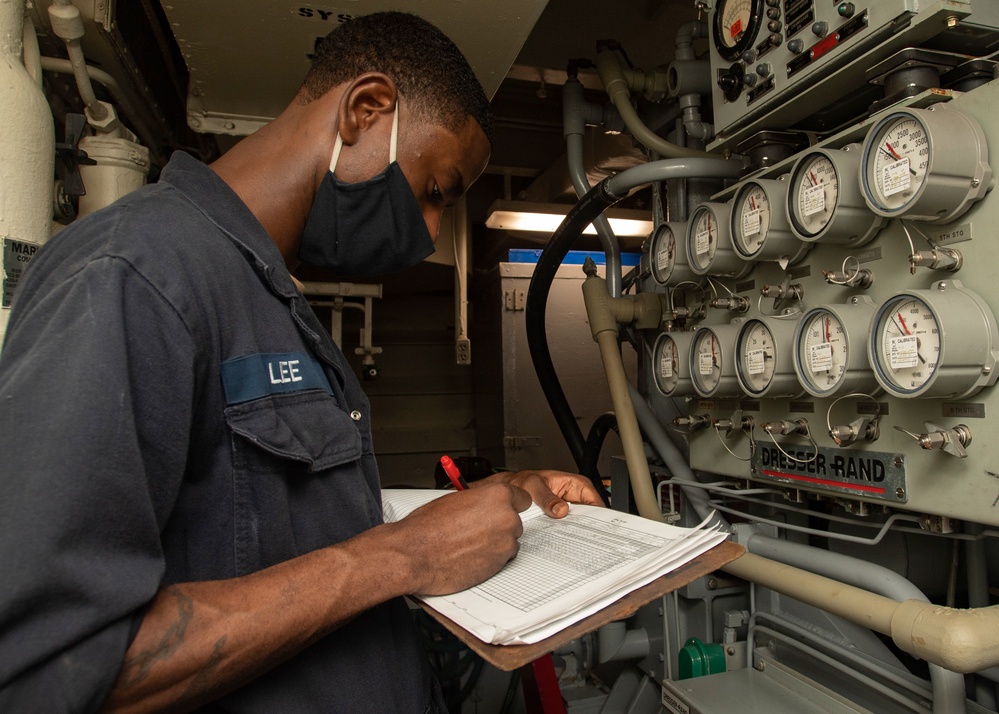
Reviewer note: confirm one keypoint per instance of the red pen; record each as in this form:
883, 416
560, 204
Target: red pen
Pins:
453, 473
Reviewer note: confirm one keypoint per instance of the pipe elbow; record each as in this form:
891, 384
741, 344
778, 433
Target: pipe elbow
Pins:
612, 75
599, 309
959, 640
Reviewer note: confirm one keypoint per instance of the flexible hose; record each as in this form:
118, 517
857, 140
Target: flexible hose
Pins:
599, 429
592, 204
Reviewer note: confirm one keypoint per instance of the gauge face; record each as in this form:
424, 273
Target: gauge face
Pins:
663, 254
815, 192
735, 26
703, 237
707, 361
823, 351
756, 356
907, 347
752, 220
667, 364
896, 164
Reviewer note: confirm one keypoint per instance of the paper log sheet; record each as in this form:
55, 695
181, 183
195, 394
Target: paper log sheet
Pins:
566, 568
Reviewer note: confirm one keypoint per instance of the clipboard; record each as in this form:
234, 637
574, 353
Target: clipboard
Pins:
511, 657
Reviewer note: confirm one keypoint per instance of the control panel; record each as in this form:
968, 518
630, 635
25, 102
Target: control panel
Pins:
848, 337
797, 64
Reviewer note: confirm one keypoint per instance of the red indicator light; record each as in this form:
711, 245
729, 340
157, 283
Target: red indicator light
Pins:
820, 48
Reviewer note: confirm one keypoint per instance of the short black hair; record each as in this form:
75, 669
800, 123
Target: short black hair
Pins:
427, 67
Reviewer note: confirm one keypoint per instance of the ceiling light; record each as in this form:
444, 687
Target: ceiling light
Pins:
546, 217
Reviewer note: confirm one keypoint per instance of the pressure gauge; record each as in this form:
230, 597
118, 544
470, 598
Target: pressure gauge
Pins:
709, 242
668, 254
830, 355
735, 26
763, 358
925, 164
825, 204
671, 362
939, 342
760, 230
712, 363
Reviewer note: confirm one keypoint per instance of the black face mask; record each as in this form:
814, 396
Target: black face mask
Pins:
366, 228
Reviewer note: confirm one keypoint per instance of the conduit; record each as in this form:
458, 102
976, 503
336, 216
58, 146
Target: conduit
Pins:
618, 83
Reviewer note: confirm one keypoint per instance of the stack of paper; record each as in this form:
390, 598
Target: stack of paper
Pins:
567, 568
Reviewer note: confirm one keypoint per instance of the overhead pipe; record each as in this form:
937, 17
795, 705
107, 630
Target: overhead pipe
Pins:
573, 128
618, 83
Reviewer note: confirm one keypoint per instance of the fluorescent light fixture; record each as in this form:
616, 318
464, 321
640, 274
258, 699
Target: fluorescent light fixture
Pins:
546, 217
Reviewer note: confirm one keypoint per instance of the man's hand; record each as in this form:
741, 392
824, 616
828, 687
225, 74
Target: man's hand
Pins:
551, 490
461, 539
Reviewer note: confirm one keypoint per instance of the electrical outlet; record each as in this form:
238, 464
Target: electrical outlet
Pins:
463, 351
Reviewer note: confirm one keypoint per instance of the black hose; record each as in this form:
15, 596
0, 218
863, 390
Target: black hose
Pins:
591, 205
599, 429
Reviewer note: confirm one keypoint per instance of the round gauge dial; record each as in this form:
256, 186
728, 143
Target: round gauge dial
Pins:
829, 356
925, 164
908, 347
712, 367
667, 364
706, 361
756, 357
670, 362
760, 230
823, 350
898, 163
709, 242
735, 25
815, 188
753, 219
940, 342
825, 203
662, 253
764, 364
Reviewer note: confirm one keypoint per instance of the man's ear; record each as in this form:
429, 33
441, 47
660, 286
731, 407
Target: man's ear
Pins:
368, 98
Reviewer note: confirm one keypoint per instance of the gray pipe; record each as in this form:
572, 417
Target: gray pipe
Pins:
574, 126
675, 461
948, 687
620, 184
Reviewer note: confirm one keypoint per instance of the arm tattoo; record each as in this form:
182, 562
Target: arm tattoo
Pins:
136, 667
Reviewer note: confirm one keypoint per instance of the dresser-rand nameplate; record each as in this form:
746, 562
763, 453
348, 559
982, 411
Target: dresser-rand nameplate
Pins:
871, 474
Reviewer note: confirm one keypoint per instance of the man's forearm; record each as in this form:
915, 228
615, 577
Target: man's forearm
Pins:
198, 641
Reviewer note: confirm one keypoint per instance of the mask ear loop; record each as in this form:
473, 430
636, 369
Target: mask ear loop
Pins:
393, 142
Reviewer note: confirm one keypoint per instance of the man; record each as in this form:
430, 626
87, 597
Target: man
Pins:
189, 504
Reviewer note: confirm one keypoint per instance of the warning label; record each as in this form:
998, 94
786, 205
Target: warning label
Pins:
16, 256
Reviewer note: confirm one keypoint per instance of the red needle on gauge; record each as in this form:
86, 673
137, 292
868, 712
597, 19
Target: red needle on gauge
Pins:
894, 153
904, 326
827, 329
815, 181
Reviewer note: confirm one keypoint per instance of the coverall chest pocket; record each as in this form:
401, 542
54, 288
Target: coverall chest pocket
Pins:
298, 482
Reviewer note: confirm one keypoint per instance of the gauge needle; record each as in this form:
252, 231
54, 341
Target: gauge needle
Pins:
812, 177
714, 360
905, 329
894, 155
752, 203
